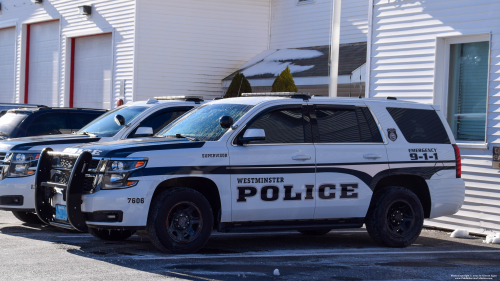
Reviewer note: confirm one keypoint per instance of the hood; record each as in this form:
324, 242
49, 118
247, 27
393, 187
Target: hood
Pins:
123, 148
27, 143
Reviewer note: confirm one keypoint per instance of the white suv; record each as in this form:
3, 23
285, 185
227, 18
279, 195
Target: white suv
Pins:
261, 163
132, 120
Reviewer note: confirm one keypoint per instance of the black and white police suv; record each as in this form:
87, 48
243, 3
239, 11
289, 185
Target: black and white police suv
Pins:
19, 157
261, 163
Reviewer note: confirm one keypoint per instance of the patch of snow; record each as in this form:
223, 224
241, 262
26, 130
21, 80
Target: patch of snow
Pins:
276, 272
258, 58
274, 67
492, 239
461, 233
293, 54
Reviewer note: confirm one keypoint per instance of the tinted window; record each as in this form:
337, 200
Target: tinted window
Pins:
281, 126
78, 119
419, 125
105, 125
159, 120
52, 123
10, 121
346, 125
202, 123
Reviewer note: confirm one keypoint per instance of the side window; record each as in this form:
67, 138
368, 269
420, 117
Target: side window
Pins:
419, 125
51, 123
78, 120
159, 120
346, 125
281, 126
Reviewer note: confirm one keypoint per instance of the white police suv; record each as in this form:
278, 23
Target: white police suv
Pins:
261, 163
20, 156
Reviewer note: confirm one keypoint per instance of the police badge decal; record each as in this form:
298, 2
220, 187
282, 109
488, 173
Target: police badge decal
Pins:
392, 134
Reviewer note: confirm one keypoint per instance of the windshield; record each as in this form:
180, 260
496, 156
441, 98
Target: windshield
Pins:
105, 126
202, 123
9, 122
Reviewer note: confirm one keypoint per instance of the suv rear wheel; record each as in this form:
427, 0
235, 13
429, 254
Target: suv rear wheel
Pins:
111, 234
27, 217
180, 221
395, 217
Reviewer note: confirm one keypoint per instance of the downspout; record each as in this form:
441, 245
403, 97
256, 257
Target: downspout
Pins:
334, 48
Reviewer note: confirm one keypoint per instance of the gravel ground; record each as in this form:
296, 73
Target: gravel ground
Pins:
31, 252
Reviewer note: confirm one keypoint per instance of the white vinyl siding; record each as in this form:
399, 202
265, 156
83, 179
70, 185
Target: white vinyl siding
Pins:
7, 53
402, 64
92, 77
187, 47
43, 63
117, 16
308, 25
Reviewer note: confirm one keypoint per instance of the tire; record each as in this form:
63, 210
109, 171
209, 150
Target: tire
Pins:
314, 231
111, 235
27, 217
180, 221
395, 217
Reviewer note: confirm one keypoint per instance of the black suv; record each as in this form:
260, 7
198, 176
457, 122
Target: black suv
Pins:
38, 121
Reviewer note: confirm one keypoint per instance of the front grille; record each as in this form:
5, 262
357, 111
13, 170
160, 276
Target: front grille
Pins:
61, 167
88, 183
94, 163
2, 155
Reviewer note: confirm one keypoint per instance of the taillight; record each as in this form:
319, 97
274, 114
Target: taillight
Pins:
458, 159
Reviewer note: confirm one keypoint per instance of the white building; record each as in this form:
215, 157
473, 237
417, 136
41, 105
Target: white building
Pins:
446, 53
52, 54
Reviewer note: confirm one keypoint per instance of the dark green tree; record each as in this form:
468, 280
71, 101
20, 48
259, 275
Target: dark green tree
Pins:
284, 82
238, 85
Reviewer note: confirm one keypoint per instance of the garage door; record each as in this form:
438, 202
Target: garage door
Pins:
92, 71
7, 53
43, 63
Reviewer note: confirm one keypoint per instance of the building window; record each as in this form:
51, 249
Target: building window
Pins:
299, 2
468, 90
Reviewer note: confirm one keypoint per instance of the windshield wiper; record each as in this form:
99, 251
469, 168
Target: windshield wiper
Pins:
179, 136
88, 134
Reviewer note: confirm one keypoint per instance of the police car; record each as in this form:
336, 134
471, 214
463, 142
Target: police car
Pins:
19, 157
262, 163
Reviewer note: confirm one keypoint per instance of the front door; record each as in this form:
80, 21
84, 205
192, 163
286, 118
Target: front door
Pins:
350, 152
274, 179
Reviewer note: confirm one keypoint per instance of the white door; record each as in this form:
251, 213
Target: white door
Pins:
7, 52
92, 76
274, 179
43, 63
350, 153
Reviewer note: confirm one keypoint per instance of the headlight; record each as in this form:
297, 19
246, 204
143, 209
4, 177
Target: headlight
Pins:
22, 164
118, 172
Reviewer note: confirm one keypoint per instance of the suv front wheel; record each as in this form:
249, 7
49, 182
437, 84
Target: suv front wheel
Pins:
395, 217
180, 221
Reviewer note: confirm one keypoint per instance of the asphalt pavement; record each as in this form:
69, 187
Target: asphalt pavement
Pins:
33, 252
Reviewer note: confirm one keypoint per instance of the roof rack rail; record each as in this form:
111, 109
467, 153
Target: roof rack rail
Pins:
391, 98
186, 98
293, 95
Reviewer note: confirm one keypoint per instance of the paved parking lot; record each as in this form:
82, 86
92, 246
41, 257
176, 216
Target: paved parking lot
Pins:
29, 252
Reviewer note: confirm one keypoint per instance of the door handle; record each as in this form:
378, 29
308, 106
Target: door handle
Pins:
301, 157
372, 156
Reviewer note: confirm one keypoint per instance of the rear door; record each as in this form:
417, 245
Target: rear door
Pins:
274, 179
50, 123
350, 152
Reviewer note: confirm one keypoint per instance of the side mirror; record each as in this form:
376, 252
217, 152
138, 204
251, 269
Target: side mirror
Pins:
143, 132
120, 120
226, 122
253, 135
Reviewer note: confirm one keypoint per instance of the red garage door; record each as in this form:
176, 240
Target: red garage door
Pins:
42, 63
92, 62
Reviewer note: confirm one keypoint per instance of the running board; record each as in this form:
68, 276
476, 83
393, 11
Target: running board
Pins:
290, 225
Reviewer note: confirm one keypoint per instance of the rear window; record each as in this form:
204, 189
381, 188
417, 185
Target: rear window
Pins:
419, 125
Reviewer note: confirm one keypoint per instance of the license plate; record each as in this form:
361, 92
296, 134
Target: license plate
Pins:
61, 213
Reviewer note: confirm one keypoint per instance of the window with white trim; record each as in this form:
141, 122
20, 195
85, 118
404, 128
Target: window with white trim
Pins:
468, 90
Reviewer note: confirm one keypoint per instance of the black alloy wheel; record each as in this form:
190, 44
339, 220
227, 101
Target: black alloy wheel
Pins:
184, 222
400, 218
